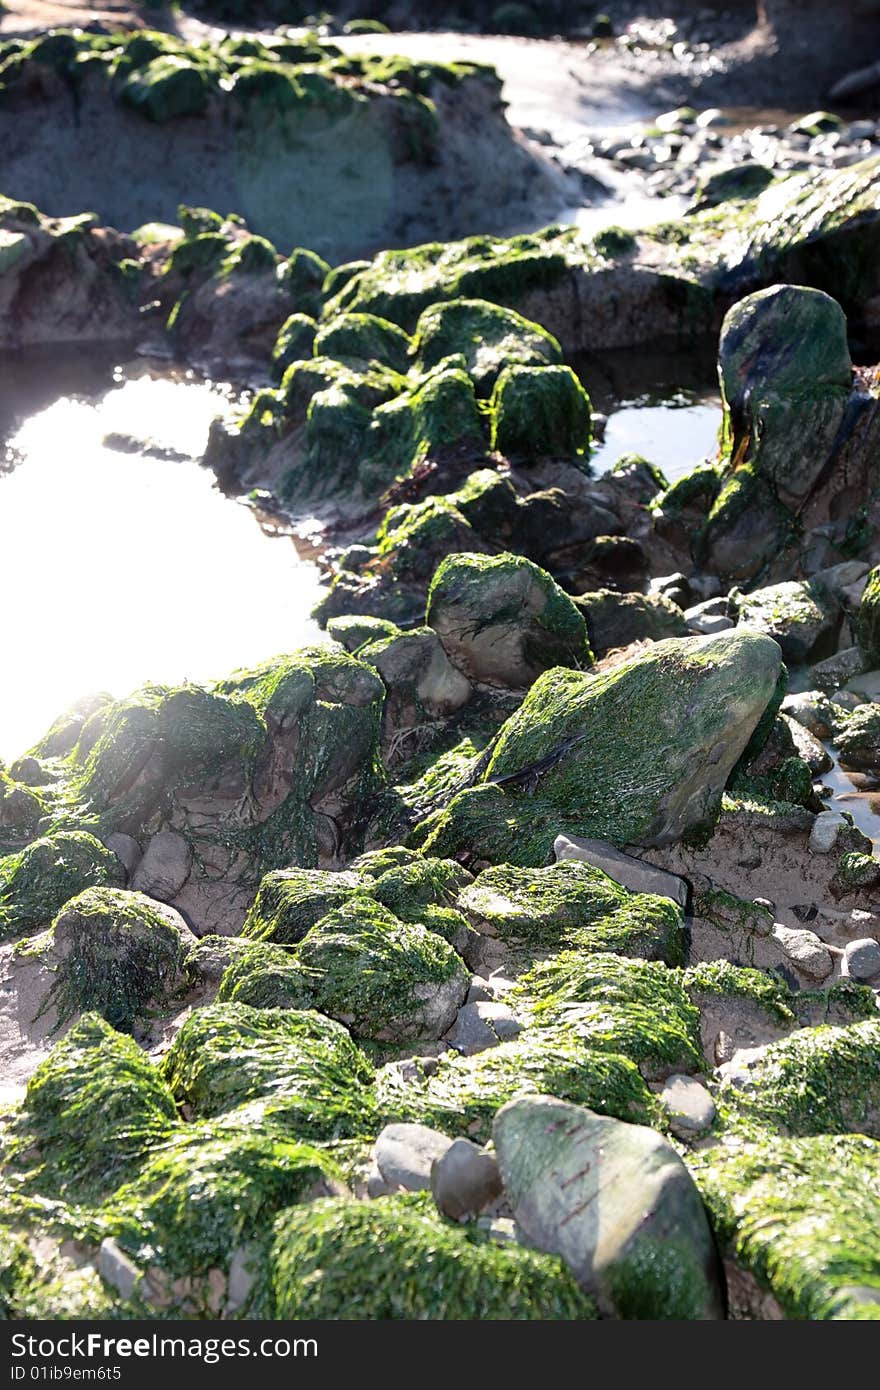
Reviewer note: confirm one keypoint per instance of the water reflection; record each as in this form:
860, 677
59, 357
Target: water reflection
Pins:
675, 436
117, 568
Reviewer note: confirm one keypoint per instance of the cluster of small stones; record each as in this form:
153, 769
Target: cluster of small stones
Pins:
416, 974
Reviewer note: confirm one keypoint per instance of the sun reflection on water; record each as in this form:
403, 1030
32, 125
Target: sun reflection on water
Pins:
116, 568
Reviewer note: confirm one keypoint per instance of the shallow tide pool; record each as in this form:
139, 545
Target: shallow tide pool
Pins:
117, 567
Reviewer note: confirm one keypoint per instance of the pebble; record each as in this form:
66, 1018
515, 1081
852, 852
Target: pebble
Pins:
626, 869
709, 616
126, 849
165, 866
404, 1155
465, 1180
862, 959
805, 950
690, 1107
826, 828
480, 1025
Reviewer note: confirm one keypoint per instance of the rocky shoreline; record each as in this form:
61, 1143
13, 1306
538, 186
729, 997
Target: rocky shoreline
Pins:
500, 956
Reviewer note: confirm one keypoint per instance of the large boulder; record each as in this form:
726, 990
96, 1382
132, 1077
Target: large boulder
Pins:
503, 621
616, 1202
40, 879
641, 753
488, 337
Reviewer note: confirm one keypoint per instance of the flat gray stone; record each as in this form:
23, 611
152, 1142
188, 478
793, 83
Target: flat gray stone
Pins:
116, 1268
480, 1025
862, 959
691, 1108
826, 828
126, 849
805, 950
165, 866
465, 1180
626, 869
404, 1155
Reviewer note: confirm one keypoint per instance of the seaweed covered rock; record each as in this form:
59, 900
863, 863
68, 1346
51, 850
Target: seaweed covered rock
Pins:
640, 753
168, 86
421, 681
296, 339
36, 882
461, 1095
816, 1081
800, 616
798, 1224
858, 741
488, 337
387, 980
118, 954
868, 619
290, 901
573, 904
540, 412
793, 427
364, 338
92, 1112
323, 1265
203, 1205
616, 1202
292, 1071
502, 620
616, 619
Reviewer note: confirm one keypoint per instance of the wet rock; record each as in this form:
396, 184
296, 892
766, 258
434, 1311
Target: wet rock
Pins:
735, 182
405, 1153
709, 616
615, 620
689, 1105
805, 950
829, 675
165, 866
855, 871
868, 620
632, 873
490, 339
464, 1180
799, 616
503, 620
808, 748
608, 1197
421, 682
858, 742
540, 412
36, 882
813, 710
862, 959
481, 1024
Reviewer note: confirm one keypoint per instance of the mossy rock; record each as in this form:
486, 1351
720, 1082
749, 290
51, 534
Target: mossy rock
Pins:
616, 619
816, 1081
388, 980
799, 615
617, 752
414, 537
210, 1193
858, 740
802, 1218
635, 1007
735, 183
295, 341
264, 976
295, 1071
540, 412
503, 620
168, 87
37, 882
364, 338
438, 414
324, 1265
488, 337
290, 901
92, 1112
303, 275
868, 619
119, 954
463, 1094
354, 631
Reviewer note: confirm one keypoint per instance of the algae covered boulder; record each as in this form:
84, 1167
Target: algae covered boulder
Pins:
642, 752
502, 620
290, 901
868, 619
324, 1265
616, 619
364, 338
40, 879
387, 980
798, 1223
118, 954
488, 337
93, 1110
293, 1071
799, 615
168, 86
616, 1202
540, 412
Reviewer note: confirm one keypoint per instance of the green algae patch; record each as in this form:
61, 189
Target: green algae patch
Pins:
803, 1217
462, 1095
119, 955
438, 413
868, 618
264, 976
167, 87
39, 880
92, 1112
290, 901
816, 1081
634, 1007
722, 979
540, 412
295, 341
210, 1191
364, 338
387, 980
324, 1265
488, 337
303, 1072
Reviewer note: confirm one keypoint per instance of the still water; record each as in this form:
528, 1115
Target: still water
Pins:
121, 567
